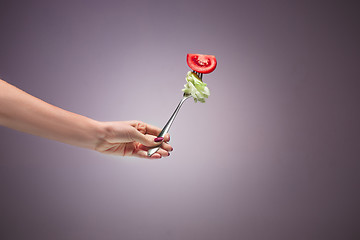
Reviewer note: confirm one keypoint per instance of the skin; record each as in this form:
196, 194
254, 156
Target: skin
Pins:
26, 113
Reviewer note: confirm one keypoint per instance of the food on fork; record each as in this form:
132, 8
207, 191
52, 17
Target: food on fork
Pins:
201, 63
196, 88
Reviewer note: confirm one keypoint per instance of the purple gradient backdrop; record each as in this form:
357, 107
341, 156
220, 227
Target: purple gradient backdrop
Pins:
273, 154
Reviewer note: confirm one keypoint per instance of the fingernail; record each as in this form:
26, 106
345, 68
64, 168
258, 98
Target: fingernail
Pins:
158, 139
168, 154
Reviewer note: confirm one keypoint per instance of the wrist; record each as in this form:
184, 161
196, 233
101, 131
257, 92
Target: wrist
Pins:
99, 132
103, 131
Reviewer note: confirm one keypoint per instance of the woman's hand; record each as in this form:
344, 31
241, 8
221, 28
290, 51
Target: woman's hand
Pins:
23, 112
132, 138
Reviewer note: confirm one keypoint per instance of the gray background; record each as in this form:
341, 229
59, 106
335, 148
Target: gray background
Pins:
273, 154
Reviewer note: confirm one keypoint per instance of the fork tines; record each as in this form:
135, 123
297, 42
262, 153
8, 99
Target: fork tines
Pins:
200, 75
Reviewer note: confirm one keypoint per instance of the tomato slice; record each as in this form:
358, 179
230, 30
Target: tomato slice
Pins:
201, 63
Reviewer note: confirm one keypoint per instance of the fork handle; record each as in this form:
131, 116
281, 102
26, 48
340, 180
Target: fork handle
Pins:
167, 126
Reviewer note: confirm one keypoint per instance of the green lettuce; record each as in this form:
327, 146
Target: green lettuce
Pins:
196, 88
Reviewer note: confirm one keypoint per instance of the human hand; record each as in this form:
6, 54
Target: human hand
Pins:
26, 113
133, 138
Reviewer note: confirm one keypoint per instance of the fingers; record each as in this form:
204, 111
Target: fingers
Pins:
146, 142
166, 147
145, 128
163, 151
146, 134
144, 154
145, 139
159, 154
167, 137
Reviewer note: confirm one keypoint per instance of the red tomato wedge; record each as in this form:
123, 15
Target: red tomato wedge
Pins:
201, 63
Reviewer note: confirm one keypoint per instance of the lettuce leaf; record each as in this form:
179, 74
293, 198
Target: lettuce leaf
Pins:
196, 88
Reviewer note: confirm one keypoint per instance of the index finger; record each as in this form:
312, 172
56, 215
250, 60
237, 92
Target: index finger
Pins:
150, 129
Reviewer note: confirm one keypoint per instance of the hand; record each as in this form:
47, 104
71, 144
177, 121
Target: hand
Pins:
133, 138
23, 112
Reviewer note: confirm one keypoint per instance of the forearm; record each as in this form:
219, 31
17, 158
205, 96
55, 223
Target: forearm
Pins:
23, 112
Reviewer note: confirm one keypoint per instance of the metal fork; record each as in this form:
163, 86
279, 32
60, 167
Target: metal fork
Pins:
167, 126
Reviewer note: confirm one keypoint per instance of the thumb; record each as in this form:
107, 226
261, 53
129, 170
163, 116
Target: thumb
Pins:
147, 140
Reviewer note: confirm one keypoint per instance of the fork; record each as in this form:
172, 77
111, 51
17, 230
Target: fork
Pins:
167, 126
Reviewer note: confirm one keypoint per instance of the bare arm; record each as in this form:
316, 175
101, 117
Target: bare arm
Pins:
23, 112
